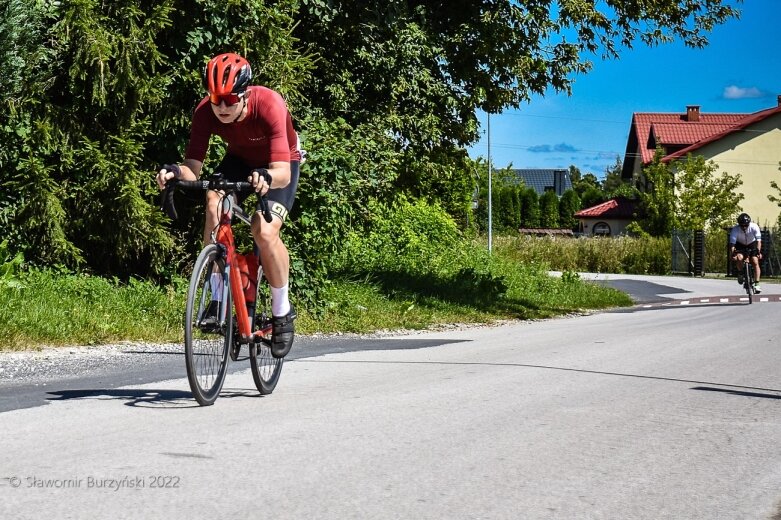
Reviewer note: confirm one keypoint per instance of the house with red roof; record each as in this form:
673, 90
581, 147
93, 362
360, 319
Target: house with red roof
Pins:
610, 218
744, 144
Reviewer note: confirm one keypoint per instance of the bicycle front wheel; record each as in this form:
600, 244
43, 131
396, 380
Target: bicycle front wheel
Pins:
207, 335
265, 367
747, 276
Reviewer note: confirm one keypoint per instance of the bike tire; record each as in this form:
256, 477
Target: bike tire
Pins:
748, 281
206, 349
266, 369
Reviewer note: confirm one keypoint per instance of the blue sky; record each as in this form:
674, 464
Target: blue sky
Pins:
739, 71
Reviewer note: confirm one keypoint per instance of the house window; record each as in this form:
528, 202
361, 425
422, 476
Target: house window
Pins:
601, 229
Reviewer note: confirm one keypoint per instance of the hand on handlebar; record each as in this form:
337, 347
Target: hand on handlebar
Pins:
166, 173
261, 180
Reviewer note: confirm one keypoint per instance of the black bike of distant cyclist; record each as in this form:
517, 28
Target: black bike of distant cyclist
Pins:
748, 273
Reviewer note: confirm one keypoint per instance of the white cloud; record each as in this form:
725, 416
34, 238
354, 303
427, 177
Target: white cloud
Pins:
735, 92
547, 148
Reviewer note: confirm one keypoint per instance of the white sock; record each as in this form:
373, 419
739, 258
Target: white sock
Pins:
216, 285
280, 304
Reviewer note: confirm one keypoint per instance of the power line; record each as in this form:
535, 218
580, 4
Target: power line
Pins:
610, 153
565, 118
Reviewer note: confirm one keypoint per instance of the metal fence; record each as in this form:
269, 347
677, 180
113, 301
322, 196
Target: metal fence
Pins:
690, 254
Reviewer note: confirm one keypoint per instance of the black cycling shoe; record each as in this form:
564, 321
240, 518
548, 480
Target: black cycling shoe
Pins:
283, 331
210, 322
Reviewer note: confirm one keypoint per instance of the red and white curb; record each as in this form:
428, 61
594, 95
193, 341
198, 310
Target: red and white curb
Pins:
715, 300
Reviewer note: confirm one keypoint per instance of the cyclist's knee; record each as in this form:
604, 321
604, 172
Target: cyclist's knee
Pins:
212, 200
265, 232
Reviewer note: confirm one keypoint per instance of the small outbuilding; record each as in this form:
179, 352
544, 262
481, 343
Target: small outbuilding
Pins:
609, 218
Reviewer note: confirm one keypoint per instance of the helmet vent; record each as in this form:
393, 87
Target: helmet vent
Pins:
226, 75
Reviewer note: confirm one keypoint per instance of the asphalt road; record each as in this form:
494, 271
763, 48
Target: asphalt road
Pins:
665, 410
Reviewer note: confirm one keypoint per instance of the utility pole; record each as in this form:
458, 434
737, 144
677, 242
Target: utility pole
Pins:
490, 217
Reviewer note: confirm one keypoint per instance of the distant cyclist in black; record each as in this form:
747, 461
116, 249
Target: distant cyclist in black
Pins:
743, 239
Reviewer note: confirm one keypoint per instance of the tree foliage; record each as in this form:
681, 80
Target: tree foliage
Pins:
97, 94
549, 210
569, 204
530, 208
704, 199
777, 197
687, 194
657, 199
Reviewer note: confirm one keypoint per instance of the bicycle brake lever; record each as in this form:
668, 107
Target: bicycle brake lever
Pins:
264, 209
167, 202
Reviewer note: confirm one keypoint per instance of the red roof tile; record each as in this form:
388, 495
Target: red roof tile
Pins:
687, 132
736, 127
619, 207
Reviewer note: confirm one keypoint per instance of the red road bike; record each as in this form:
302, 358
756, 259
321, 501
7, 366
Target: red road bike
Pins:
213, 328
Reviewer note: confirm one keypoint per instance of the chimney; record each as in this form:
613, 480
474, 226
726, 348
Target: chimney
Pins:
693, 113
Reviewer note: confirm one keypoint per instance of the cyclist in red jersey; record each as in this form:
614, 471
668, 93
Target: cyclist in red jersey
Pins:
263, 149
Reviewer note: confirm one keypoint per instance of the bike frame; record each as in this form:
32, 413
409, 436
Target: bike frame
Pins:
223, 236
748, 273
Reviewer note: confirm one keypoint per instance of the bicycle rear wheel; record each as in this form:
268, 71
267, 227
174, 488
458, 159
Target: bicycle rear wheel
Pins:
265, 367
749, 281
207, 341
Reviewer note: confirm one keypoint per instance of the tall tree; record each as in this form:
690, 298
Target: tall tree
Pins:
703, 198
591, 197
549, 210
387, 91
530, 208
569, 204
516, 200
448, 58
504, 209
657, 200
776, 197
687, 194
420, 69
586, 182
613, 180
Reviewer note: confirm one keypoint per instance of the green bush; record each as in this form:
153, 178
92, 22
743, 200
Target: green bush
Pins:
716, 251
408, 236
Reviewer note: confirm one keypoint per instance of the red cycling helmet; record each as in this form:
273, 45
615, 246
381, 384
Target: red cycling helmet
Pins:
226, 77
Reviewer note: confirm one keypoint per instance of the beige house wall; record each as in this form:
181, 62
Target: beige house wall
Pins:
754, 154
617, 226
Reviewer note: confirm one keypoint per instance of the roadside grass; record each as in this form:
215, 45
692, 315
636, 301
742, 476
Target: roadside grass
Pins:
623, 254
46, 308
393, 302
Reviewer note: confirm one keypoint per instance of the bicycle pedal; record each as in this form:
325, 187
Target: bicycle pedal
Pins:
209, 328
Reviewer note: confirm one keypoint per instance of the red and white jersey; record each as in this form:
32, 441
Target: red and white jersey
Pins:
749, 236
264, 136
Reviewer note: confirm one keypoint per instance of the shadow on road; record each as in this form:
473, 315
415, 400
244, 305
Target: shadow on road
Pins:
565, 369
148, 398
737, 392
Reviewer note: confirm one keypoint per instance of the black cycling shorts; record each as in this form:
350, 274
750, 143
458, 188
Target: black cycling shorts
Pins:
280, 200
745, 248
